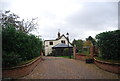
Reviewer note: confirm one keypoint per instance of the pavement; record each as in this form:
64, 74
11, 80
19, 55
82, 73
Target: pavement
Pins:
64, 68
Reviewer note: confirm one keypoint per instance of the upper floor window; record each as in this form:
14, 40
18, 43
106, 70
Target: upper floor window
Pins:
63, 41
51, 43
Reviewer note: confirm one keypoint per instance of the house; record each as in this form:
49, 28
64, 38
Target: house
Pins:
62, 50
50, 45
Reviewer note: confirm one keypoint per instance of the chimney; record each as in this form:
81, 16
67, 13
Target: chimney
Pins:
58, 34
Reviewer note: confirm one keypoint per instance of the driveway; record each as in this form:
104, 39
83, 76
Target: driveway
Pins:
64, 68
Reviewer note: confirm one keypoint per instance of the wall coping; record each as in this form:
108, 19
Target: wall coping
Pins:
81, 54
104, 62
24, 65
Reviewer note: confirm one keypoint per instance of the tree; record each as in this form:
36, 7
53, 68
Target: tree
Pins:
91, 39
87, 43
17, 45
27, 26
13, 19
8, 19
109, 44
78, 44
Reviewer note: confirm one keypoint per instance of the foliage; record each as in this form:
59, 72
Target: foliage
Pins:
18, 46
66, 51
108, 44
87, 44
21, 25
110, 60
10, 59
86, 51
92, 40
78, 44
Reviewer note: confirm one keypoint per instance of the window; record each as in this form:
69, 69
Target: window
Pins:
51, 43
63, 41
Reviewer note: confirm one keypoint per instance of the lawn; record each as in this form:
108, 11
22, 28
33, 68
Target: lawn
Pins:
65, 56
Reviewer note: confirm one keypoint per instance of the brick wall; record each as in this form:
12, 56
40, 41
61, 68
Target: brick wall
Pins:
115, 68
80, 57
19, 71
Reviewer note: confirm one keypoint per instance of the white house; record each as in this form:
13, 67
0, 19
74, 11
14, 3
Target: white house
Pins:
51, 43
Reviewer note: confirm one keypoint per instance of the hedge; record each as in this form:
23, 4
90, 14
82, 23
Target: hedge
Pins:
108, 44
18, 46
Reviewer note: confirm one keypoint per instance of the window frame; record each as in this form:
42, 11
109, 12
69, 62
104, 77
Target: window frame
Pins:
63, 41
51, 43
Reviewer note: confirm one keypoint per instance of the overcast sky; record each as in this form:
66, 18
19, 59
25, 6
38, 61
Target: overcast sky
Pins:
77, 17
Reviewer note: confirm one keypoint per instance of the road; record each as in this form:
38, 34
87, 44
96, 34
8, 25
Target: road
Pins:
64, 68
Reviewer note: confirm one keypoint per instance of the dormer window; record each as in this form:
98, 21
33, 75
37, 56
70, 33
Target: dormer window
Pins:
63, 41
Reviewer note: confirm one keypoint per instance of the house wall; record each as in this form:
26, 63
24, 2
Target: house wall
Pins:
48, 47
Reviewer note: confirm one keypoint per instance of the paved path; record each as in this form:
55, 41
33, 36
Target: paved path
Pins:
63, 68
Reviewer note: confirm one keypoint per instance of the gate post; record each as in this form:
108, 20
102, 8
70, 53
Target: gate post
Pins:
74, 52
92, 51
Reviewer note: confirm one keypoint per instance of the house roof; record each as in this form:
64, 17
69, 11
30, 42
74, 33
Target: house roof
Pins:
62, 45
57, 38
61, 37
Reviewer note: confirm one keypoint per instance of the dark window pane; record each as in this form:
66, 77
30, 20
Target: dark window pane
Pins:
51, 43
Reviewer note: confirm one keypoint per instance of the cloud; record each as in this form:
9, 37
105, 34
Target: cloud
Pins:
80, 19
95, 16
5, 4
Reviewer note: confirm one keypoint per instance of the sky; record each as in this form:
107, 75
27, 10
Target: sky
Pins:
80, 18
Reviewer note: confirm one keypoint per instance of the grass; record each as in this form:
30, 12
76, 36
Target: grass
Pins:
65, 56
112, 61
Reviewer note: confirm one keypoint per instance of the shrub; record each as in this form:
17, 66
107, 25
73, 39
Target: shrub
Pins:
66, 52
18, 46
11, 59
108, 44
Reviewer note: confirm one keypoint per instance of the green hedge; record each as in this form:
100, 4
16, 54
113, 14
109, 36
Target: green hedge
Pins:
18, 46
108, 44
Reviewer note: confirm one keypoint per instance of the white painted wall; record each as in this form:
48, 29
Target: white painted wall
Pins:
48, 47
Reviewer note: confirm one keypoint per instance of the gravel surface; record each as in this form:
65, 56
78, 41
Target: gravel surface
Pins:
64, 68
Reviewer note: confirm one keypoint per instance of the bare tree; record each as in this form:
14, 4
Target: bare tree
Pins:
28, 26
7, 18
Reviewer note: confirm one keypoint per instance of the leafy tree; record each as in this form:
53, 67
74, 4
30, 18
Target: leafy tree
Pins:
108, 44
78, 44
17, 44
91, 39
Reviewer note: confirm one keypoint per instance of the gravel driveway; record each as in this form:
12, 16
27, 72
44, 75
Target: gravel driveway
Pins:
63, 68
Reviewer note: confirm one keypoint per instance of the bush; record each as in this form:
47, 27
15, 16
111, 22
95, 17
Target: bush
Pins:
18, 46
108, 44
66, 52
13, 60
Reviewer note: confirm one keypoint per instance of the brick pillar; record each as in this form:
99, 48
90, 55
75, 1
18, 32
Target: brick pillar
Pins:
41, 53
92, 48
74, 51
